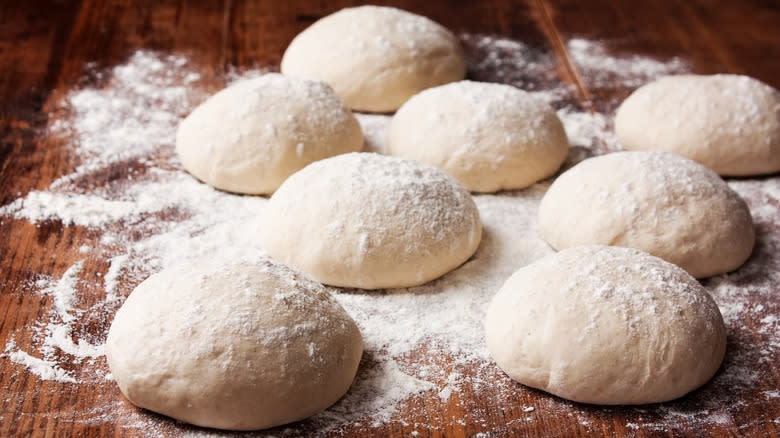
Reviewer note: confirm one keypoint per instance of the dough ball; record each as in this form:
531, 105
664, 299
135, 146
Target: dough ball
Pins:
658, 202
489, 136
371, 221
251, 136
376, 57
606, 325
729, 123
242, 346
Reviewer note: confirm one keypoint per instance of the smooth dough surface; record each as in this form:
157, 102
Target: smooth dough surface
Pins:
729, 123
242, 345
251, 136
606, 325
489, 137
376, 57
658, 202
371, 221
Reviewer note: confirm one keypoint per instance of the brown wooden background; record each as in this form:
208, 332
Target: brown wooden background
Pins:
44, 47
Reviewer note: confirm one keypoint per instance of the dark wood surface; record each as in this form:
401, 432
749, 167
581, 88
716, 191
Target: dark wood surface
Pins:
44, 47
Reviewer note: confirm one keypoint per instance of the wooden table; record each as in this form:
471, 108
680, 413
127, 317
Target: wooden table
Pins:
44, 47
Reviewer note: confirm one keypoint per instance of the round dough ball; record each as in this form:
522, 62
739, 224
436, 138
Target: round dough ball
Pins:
371, 221
241, 346
489, 136
729, 123
658, 202
376, 57
251, 136
606, 325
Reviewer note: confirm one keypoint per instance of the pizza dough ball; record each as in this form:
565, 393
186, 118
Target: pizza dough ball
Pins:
658, 202
489, 136
606, 325
371, 221
251, 136
376, 57
729, 123
241, 346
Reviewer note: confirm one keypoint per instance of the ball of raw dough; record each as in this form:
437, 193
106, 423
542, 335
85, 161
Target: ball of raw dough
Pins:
606, 325
371, 221
658, 202
376, 57
489, 136
251, 136
242, 345
729, 123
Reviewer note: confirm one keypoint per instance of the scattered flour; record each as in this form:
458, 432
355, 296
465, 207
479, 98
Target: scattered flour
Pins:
600, 69
374, 131
72, 209
130, 118
60, 336
112, 277
386, 378
45, 369
422, 343
592, 131
496, 59
64, 292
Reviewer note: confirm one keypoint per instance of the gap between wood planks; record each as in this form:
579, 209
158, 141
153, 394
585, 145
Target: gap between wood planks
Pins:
549, 30
227, 20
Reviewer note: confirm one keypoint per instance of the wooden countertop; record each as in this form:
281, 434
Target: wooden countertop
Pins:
45, 46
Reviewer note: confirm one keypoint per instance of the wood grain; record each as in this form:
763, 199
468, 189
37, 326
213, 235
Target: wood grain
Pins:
45, 46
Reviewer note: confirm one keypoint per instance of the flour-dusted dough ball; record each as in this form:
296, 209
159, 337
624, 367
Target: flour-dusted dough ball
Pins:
376, 57
606, 325
251, 136
489, 136
729, 123
371, 221
658, 202
241, 345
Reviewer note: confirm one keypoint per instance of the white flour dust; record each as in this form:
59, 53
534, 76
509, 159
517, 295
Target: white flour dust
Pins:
45, 369
423, 344
600, 69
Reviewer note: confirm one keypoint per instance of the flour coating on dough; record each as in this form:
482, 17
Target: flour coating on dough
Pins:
488, 136
233, 345
729, 123
658, 202
251, 136
606, 325
371, 221
376, 57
